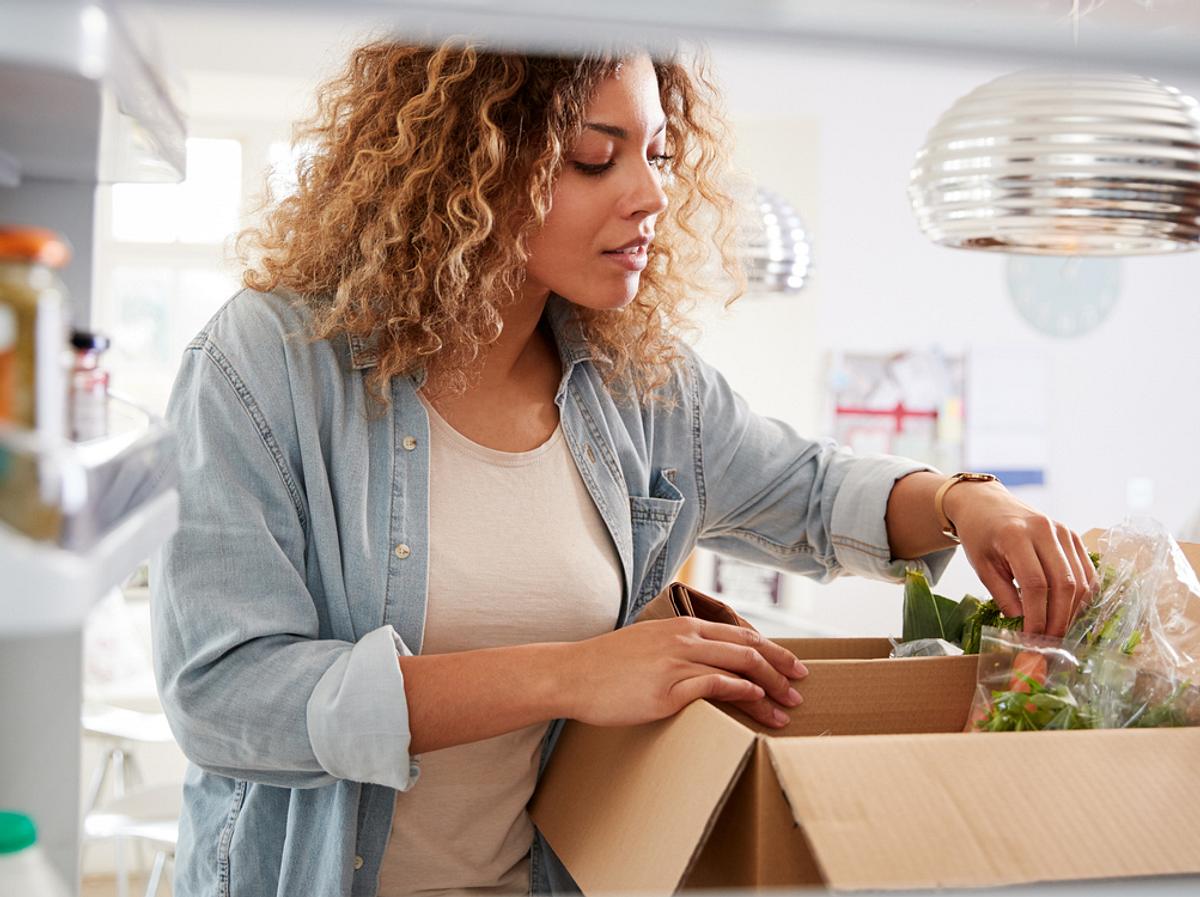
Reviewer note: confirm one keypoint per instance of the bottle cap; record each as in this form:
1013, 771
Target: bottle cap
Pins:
34, 244
95, 342
17, 832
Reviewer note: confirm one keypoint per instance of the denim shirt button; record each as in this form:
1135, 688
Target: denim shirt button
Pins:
403, 551
591, 456
358, 863
410, 443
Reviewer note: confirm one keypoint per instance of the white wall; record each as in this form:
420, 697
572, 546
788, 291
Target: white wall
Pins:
1121, 401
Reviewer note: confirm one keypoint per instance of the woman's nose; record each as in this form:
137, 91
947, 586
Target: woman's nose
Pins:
646, 195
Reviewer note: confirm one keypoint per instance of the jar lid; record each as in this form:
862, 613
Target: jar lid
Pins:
34, 244
17, 832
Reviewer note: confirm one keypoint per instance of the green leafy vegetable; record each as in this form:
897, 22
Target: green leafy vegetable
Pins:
1037, 706
984, 613
1174, 711
927, 615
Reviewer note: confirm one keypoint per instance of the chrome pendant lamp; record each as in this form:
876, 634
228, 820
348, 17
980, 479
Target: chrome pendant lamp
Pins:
776, 255
1052, 162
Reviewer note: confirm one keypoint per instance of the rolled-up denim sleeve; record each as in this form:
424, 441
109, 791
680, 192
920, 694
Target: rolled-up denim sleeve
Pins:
358, 715
250, 686
769, 496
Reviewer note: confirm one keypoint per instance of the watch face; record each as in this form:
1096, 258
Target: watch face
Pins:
1063, 296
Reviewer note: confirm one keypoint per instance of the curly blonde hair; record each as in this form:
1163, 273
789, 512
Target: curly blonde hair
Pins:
430, 168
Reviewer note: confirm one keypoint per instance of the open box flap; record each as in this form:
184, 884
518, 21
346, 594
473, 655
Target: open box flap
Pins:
628, 808
924, 811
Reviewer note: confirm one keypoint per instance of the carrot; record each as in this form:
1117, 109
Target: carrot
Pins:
1027, 665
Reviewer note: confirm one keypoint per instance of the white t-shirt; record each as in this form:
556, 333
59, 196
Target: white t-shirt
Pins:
518, 554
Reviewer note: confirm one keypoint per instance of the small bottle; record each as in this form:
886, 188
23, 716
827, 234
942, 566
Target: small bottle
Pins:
24, 869
88, 397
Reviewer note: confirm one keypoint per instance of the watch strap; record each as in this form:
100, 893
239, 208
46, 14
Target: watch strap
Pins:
939, 498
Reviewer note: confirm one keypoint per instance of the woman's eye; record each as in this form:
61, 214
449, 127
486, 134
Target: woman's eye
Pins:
593, 169
660, 162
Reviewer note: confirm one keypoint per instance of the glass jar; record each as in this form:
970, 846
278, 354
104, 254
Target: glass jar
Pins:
32, 295
33, 380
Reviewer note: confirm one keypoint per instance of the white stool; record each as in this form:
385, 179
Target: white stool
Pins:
147, 814
121, 730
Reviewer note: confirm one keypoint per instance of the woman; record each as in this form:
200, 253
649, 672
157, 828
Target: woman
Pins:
448, 443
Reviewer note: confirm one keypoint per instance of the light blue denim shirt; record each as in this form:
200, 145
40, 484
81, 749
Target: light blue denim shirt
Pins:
298, 572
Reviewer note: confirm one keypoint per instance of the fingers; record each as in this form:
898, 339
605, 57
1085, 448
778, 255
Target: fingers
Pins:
1077, 556
715, 687
1033, 586
748, 662
766, 712
763, 709
1053, 576
1000, 586
779, 657
1062, 578
1092, 576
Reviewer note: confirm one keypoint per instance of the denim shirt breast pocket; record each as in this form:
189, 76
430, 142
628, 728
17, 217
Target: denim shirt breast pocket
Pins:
652, 517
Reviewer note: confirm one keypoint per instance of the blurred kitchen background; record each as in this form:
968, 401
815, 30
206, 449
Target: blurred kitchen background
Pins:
1076, 383
1086, 411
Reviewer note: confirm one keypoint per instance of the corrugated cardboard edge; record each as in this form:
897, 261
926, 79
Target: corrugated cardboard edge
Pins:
964, 810
716, 813
628, 808
754, 841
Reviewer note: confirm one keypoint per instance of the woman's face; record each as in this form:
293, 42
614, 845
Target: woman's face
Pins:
592, 247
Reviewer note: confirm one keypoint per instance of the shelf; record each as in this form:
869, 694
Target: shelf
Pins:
1120, 34
47, 588
80, 103
77, 518
72, 493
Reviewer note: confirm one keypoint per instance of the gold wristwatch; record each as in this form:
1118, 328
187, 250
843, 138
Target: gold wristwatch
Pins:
948, 529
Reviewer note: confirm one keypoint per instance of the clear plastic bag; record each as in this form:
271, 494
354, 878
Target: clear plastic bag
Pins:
925, 647
1132, 658
1147, 605
1025, 682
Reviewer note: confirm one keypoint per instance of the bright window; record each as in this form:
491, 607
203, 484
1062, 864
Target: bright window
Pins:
164, 260
202, 209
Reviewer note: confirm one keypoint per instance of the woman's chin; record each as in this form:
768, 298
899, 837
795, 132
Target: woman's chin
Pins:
615, 301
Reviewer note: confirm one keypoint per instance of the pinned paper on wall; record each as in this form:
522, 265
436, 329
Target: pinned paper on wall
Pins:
906, 403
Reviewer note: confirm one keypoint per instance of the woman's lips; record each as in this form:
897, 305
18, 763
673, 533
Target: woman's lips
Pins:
629, 259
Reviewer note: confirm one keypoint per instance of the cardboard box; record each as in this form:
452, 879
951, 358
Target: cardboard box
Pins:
873, 785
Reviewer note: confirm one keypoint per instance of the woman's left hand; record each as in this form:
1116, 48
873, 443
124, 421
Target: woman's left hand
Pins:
1006, 540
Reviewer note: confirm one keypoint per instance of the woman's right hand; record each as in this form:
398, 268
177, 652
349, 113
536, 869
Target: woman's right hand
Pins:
652, 670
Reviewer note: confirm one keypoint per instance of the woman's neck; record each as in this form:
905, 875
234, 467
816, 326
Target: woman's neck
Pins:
520, 354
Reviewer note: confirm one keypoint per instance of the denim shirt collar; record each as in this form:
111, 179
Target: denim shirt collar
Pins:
561, 315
